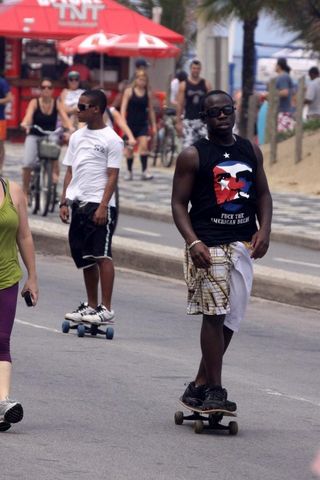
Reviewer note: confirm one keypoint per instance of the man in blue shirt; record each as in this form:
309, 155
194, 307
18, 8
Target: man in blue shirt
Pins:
5, 97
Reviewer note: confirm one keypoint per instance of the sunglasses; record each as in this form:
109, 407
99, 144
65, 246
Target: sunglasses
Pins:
82, 107
74, 79
46, 87
215, 112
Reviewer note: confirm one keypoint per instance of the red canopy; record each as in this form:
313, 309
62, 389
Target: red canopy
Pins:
64, 19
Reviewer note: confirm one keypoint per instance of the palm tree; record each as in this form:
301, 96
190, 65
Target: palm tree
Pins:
248, 11
302, 17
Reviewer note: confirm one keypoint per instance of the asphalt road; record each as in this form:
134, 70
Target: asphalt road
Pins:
100, 409
282, 256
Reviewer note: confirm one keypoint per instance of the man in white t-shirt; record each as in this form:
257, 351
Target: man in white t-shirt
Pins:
93, 160
312, 96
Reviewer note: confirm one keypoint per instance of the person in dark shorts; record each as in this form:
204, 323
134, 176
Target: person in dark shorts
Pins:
14, 235
191, 91
137, 109
228, 226
93, 160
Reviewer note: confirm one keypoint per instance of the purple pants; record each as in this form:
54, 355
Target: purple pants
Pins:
8, 305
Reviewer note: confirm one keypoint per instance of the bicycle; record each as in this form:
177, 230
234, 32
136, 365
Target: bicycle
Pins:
43, 194
166, 144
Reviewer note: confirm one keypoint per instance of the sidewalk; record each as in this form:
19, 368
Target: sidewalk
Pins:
296, 221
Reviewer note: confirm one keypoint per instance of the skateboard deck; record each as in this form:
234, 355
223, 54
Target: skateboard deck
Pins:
209, 419
84, 327
86, 322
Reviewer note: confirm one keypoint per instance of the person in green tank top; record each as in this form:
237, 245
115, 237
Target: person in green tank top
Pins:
15, 236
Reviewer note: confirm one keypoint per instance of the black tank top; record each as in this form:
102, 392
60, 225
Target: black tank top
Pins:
193, 96
137, 110
46, 122
223, 200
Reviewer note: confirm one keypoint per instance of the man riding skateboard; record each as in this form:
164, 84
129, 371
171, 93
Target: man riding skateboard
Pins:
228, 226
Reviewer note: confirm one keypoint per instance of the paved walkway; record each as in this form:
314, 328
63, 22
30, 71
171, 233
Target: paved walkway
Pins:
294, 214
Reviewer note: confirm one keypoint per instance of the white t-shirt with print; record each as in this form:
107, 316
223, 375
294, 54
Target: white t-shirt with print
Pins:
89, 154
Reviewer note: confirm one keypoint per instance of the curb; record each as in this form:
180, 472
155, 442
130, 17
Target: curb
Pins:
271, 284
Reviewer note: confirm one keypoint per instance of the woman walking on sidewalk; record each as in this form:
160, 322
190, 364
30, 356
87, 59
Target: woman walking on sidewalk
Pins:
14, 232
137, 109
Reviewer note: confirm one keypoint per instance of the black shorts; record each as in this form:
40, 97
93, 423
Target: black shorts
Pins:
139, 130
88, 241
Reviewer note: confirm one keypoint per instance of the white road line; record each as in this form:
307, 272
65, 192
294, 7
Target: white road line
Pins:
34, 325
268, 391
297, 262
142, 232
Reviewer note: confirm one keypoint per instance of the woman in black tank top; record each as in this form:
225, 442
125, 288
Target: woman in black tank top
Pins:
44, 112
137, 108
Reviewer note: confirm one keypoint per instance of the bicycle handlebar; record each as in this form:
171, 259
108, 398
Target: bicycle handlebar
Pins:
47, 132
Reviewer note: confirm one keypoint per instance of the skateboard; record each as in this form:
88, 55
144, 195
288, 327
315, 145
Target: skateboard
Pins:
209, 419
84, 327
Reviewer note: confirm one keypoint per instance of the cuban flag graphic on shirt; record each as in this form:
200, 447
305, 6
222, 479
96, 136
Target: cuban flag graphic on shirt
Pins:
232, 181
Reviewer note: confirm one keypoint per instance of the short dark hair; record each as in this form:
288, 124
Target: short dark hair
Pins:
195, 62
314, 71
182, 76
282, 62
97, 98
210, 94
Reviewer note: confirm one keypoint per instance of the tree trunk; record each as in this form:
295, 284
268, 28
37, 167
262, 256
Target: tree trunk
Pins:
248, 70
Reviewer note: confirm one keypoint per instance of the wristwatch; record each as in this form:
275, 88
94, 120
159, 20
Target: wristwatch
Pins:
63, 204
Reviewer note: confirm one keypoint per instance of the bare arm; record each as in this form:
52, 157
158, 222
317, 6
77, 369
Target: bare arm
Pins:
6, 99
152, 115
208, 86
25, 242
64, 210
121, 122
180, 107
186, 169
101, 214
260, 240
28, 118
66, 122
125, 99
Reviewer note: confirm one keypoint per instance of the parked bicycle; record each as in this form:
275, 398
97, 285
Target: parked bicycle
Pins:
166, 142
43, 194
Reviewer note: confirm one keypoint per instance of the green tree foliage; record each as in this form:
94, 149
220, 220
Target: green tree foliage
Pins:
302, 17
248, 11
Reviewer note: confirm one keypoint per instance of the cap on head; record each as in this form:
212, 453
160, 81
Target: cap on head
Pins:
141, 63
74, 75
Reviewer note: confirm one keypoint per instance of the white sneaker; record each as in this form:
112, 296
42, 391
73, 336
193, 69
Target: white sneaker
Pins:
146, 176
77, 314
10, 411
129, 176
101, 314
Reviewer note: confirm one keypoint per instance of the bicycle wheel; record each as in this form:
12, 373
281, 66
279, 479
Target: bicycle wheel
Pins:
45, 187
168, 147
156, 146
34, 194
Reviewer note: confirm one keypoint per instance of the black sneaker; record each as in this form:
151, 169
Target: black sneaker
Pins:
193, 395
216, 397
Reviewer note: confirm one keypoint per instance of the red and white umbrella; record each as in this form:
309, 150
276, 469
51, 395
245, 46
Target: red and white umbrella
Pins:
96, 42
141, 44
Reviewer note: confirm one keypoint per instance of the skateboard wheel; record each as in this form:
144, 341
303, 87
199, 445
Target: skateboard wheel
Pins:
81, 329
178, 418
65, 326
198, 426
233, 428
94, 330
109, 333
